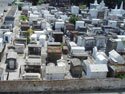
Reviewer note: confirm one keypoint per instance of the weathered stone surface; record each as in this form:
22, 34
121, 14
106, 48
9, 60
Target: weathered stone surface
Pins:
65, 85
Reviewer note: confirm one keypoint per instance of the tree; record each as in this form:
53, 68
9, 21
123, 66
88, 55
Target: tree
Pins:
73, 19
109, 3
40, 1
35, 2
28, 34
76, 2
30, 31
82, 6
23, 18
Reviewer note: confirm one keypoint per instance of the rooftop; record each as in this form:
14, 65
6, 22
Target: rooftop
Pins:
12, 11
55, 70
76, 62
98, 68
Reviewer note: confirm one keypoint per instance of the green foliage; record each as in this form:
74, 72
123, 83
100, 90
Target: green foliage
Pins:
74, 2
40, 1
23, 18
62, 45
122, 76
28, 40
109, 3
14, 1
73, 19
82, 6
27, 37
19, 4
28, 33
